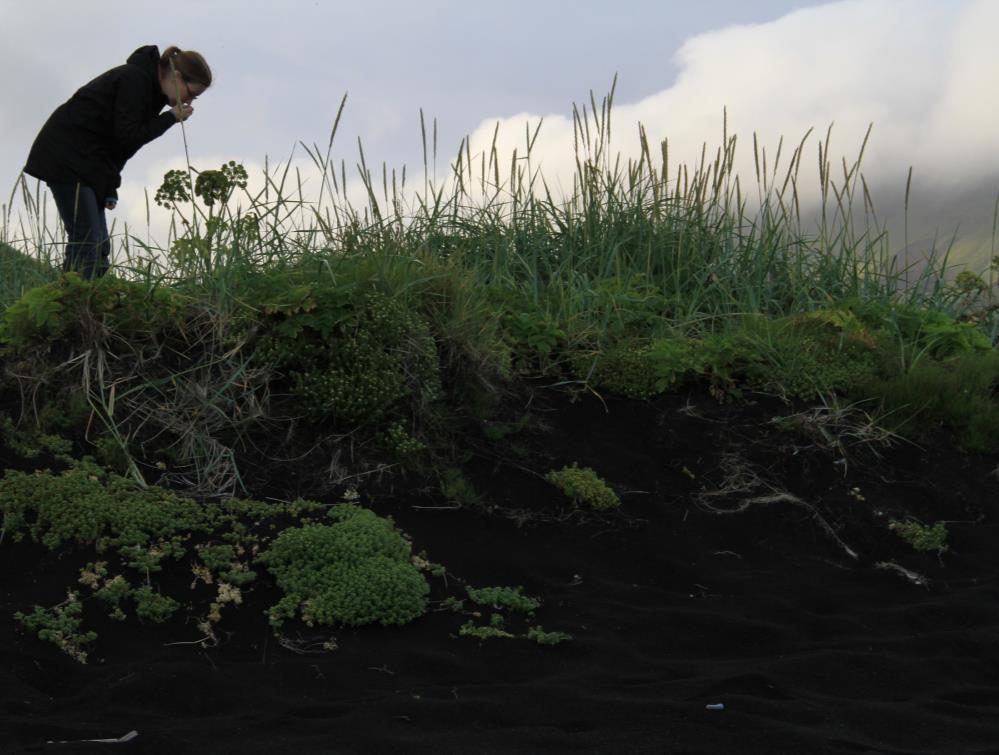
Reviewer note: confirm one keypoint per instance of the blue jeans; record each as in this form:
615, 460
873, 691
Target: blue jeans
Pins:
88, 247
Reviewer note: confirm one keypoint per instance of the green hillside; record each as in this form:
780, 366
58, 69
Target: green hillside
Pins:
19, 272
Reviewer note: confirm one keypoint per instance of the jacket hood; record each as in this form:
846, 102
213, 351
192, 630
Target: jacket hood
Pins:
147, 57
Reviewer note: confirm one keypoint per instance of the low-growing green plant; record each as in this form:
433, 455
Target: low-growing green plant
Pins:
540, 636
85, 505
921, 329
457, 488
356, 571
223, 561
805, 356
630, 306
584, 486
92, 509
145, 560
239, 574
60, 625
533, 338
63, 310
114, 592
151, 605
644, 371
423, 563
511, 598
217, 557
497, 431
497, 629
469, 629
354, 356
30, 444
400, 445
957, 393
921, 537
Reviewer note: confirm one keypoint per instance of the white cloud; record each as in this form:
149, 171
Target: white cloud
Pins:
924, 73
962, 133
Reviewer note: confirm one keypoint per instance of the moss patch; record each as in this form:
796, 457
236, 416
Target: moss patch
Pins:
356, 571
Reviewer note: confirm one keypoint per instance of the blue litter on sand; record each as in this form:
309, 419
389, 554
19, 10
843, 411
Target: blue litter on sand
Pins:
715, 706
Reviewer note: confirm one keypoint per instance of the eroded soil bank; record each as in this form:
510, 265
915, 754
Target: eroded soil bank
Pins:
751, 566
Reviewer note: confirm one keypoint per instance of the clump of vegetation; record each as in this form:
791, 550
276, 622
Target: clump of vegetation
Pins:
469, 629
354, 356
217, 557
114, 592
583, 486
457, 488
134, 363
511, 598
151, 605
65, 313
923, 330
356, 571
88, 506
644, 371
632, 304
806, 356
30, 443
540, 636
532, 336
60, 625
350, 356
223, 561
803, 356
921, 537
957, 393
454, 604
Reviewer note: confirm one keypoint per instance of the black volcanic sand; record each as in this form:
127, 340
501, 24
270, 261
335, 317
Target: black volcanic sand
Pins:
673, 607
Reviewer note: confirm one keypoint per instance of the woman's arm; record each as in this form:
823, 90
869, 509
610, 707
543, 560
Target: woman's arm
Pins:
132, 125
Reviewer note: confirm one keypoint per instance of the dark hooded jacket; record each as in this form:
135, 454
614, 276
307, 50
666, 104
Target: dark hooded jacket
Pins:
91, 136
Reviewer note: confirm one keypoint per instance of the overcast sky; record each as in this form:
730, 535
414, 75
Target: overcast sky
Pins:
925, 72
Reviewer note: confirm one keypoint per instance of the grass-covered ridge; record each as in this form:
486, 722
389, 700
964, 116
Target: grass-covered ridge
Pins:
274, 340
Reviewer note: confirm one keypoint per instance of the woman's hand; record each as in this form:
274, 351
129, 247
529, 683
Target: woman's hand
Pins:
182, 111
110, 203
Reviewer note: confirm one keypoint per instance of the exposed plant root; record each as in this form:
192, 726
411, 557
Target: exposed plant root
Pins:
916, 579
319, 645
741, 481
841, 429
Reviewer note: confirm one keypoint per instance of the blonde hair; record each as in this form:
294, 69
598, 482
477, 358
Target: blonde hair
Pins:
189, 64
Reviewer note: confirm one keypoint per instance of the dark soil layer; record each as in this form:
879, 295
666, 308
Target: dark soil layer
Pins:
673, 608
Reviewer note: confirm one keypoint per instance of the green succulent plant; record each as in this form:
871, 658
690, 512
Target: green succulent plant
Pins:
583, 486
355, 571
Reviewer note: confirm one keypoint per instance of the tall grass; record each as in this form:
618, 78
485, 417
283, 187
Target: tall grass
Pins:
711, 246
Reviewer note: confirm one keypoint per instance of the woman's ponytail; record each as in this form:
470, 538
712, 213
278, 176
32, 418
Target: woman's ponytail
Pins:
189, 64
